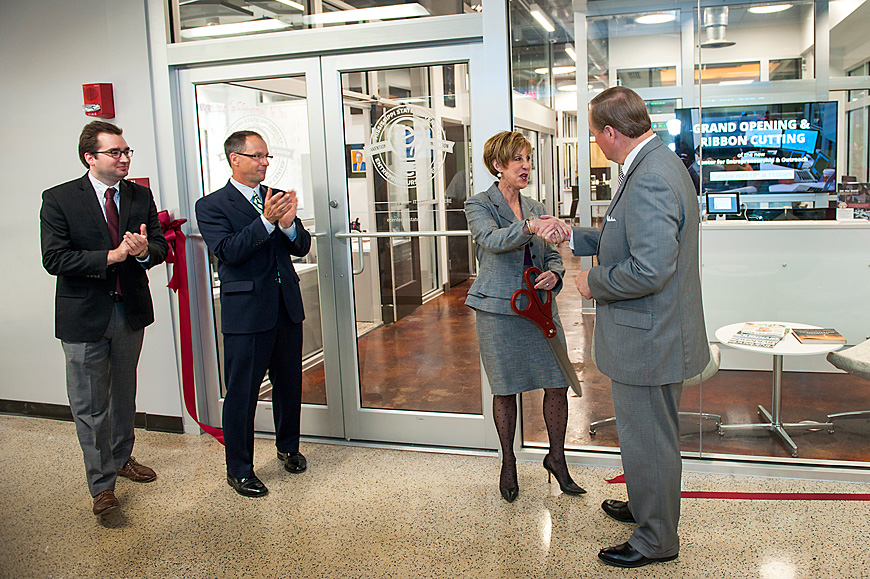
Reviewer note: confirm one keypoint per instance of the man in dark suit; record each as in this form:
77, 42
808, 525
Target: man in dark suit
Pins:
100, 234
649, 324
253, 230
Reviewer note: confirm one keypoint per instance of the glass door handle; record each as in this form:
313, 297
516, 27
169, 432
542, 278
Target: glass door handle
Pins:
361, 235
358, 235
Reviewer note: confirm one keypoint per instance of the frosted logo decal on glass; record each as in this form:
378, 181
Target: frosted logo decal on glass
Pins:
408, 143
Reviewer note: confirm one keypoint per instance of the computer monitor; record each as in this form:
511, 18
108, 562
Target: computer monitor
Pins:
727, 203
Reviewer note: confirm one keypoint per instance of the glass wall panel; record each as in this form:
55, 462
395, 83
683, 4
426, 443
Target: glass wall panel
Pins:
757, 123
543, 59
781, 145
198, 19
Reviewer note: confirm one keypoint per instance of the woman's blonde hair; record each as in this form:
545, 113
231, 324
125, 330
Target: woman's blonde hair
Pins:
501, 148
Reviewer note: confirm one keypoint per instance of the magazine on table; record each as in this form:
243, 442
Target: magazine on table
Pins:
759, 335
818, 336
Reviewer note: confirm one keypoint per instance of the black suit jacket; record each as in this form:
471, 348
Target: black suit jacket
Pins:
75, 246
248, 259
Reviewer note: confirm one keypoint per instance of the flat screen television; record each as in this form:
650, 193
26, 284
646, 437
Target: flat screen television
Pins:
762, 148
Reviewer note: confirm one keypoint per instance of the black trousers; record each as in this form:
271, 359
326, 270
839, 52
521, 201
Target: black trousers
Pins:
247, 357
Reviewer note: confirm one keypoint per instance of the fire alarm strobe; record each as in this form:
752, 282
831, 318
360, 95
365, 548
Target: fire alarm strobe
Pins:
99, 101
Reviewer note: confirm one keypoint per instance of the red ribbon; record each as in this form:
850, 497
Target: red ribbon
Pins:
178, 283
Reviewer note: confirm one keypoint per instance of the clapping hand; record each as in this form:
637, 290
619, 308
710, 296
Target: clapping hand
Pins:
277, 203
288, 217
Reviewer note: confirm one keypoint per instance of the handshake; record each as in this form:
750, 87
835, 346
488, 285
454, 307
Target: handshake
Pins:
550, 229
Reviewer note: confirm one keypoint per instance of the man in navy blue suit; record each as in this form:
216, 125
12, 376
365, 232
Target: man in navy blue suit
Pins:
253, 231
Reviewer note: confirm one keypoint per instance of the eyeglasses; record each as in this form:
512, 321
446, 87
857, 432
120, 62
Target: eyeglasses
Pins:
116, 153
257, 156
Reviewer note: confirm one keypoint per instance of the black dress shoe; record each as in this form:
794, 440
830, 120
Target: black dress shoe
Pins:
249, 486
627, 556
618, 510
294, 462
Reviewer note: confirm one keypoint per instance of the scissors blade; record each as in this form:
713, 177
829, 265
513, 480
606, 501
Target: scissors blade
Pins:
565, 365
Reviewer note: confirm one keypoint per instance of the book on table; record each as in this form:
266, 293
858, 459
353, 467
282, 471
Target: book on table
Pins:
759, 335
818, 336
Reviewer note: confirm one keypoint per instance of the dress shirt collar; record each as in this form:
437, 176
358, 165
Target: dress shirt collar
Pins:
101, 187
248, 192
629, 159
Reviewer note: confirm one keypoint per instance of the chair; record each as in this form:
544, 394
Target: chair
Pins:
855, 360
707, 373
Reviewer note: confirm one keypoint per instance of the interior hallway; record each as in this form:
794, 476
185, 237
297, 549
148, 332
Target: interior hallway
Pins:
364, 512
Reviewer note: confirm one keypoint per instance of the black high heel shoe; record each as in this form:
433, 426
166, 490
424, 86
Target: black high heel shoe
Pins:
569, 487
509, 494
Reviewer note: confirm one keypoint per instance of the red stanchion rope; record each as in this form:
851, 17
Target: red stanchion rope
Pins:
178, 283
744, 496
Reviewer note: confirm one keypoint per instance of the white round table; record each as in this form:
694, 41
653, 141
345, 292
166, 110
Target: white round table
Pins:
788, 346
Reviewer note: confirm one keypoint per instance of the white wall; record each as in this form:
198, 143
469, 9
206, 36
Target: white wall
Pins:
50, 48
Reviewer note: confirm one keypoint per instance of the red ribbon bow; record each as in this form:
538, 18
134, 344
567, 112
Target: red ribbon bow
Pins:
177, 256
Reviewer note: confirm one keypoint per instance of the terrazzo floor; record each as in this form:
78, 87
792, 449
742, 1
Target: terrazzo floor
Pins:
369, 512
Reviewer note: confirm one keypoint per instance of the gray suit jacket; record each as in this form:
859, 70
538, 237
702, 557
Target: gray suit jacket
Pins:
500, 245
649, 327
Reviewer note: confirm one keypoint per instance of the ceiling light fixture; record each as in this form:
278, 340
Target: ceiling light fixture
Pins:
568, 88
770, 8
542, 18
292, 4
363, 14
557, 70
659, 18
715, 22
249, 27
569, 50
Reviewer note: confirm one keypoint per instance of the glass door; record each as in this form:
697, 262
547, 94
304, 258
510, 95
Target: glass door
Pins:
378, 148
398, 132
284, 105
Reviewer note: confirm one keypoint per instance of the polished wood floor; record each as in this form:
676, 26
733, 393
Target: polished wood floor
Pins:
429, 361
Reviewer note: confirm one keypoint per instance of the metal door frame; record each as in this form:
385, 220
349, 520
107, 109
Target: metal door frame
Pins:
317, 420
401, 426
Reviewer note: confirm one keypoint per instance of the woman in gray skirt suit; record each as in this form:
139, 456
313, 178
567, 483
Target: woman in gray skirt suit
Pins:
508, 229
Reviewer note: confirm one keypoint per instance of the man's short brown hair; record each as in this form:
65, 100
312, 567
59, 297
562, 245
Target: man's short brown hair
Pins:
235, 143
88, 139
501, 148
622, 109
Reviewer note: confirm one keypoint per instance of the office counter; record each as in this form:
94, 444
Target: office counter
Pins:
817, 272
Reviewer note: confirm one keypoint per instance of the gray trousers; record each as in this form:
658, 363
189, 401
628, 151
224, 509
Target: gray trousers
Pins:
101, 386
649, 442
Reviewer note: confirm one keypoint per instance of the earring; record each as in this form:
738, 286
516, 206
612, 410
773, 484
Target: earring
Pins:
498, 174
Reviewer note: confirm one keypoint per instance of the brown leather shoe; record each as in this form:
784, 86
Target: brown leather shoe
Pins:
105, 503
137, 472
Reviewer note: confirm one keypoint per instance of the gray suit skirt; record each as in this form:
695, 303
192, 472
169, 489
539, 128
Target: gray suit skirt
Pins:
516, 355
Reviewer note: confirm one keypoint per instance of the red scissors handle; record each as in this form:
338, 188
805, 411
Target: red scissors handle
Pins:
540, 312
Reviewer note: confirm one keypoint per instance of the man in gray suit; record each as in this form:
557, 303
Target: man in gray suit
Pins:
649, 327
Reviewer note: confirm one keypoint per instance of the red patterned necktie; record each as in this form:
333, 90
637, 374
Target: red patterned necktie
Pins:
114, 228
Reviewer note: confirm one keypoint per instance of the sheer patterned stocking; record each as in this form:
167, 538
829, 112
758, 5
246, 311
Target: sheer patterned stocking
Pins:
556, 418
504, 412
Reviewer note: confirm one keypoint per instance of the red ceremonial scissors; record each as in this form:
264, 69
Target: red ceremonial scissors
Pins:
541, 313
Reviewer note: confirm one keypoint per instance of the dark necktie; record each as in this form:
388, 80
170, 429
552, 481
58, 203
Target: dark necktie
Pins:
620, 179
112, 216
114, 228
